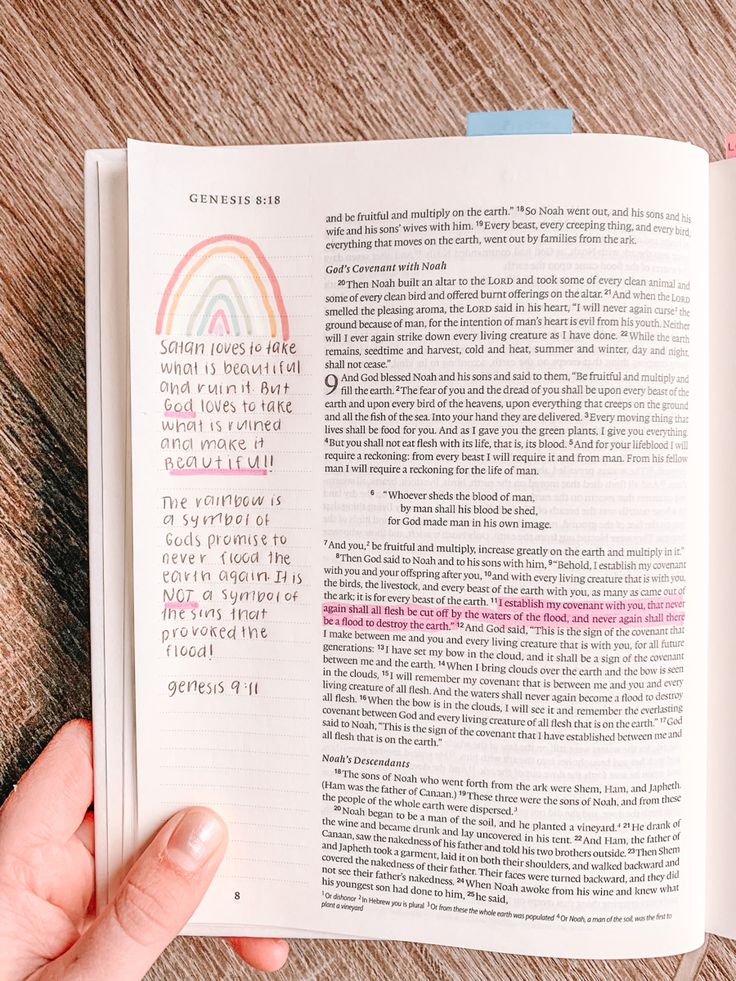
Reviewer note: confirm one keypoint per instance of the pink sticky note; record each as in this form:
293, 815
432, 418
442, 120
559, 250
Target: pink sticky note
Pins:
730, 145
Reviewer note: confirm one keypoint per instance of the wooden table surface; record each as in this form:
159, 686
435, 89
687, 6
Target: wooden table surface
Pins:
79, 75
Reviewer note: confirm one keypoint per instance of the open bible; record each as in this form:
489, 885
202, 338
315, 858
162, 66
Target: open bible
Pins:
408, 552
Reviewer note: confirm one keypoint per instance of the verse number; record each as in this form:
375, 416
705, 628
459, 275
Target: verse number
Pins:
332, 382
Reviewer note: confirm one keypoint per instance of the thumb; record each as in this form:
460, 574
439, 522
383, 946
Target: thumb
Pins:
157, 897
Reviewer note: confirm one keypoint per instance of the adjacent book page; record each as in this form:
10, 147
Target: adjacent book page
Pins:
420, 514
110, 546
721, 864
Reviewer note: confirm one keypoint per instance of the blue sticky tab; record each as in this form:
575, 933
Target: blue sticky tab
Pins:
508, 122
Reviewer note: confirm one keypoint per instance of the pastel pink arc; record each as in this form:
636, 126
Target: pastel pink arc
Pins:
219, 325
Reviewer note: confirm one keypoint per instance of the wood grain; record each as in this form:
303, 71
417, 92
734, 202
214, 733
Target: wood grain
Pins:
78, 75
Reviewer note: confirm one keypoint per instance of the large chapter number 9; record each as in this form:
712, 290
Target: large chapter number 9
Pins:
332, 383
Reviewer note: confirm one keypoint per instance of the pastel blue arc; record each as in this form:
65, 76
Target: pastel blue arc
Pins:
509, 122
224, 300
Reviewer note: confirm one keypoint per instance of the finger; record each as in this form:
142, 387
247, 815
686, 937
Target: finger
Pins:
52, 797
262, 953
157, 897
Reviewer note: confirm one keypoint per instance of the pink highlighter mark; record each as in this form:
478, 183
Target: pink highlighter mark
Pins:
181, 606
218, 473
180, 415
509, 611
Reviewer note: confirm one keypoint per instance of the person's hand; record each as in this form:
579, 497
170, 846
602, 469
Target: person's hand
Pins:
47, 879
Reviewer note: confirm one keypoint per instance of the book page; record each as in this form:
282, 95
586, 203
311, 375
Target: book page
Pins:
111, 605
419, 500
721, 856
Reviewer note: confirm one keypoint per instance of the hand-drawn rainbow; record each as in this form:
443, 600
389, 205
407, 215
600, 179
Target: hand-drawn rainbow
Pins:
224, 285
